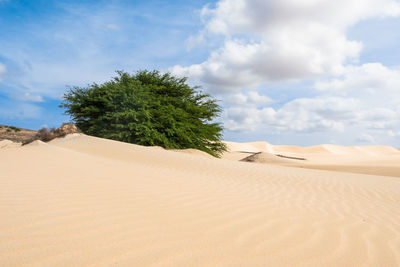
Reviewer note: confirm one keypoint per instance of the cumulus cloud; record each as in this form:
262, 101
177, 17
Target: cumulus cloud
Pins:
247, 119
302, 115
377, 87
371, 80
278, 40
252, 98
313, 114
334, 114
271, 41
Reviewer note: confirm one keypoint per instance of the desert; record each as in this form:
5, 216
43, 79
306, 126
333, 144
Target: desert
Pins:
87, 201
200, 133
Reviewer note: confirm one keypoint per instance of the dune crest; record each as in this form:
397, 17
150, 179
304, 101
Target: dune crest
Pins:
8, 144
36, 143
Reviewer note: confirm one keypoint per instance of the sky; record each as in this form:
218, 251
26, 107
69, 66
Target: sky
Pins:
295, 72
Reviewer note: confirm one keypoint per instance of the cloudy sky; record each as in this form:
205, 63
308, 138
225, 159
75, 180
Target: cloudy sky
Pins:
300, 72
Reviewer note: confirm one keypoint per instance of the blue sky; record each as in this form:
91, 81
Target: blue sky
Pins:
288, 72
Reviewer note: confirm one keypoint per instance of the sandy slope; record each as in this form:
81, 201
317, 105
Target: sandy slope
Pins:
85, 201
8, 144
374, 160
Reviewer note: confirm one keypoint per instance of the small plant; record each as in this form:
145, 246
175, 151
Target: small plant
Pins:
15, 129
8, 130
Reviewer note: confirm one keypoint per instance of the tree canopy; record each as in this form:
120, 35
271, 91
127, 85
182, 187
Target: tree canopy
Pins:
148, 108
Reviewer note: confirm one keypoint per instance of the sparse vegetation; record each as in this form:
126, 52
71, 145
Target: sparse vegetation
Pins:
15, 134
10, 129
148, 108
15, 129
45, 134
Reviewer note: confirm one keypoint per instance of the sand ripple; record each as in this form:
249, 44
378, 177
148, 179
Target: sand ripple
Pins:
86, 201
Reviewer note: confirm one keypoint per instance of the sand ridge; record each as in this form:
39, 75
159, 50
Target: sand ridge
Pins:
8, 144
86, 201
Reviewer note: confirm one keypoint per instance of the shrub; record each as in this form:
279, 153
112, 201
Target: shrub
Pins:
147, 108
45, 134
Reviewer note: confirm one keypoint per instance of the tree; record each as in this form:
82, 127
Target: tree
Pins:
147, 108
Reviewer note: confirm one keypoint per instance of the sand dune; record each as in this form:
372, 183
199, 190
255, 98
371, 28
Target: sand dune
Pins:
381, 150
86, 201
36, 143
268, 158
8, 144
374, 160
255, 147
262, 146
244, 147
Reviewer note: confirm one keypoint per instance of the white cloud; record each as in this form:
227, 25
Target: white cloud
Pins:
316, 114
247, 119
371, 79
30, 98
366, 139
281, 39
3, 69
329, 114
113, 27
366, 96
236, 16
381, 118
275, 41
302, 115
378, 89
252, 98
394, 134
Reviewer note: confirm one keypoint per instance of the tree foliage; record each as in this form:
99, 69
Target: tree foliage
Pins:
147, 108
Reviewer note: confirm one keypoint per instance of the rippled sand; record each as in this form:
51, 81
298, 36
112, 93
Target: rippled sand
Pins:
86, 201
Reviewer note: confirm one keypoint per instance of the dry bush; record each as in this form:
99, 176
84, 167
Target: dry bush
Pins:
46, 134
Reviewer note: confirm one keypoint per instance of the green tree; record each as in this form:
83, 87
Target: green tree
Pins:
147, 108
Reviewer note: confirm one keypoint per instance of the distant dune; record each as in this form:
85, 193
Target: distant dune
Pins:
87, 201
374, 160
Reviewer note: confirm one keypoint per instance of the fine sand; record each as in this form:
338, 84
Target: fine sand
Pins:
372, 160
86, 201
